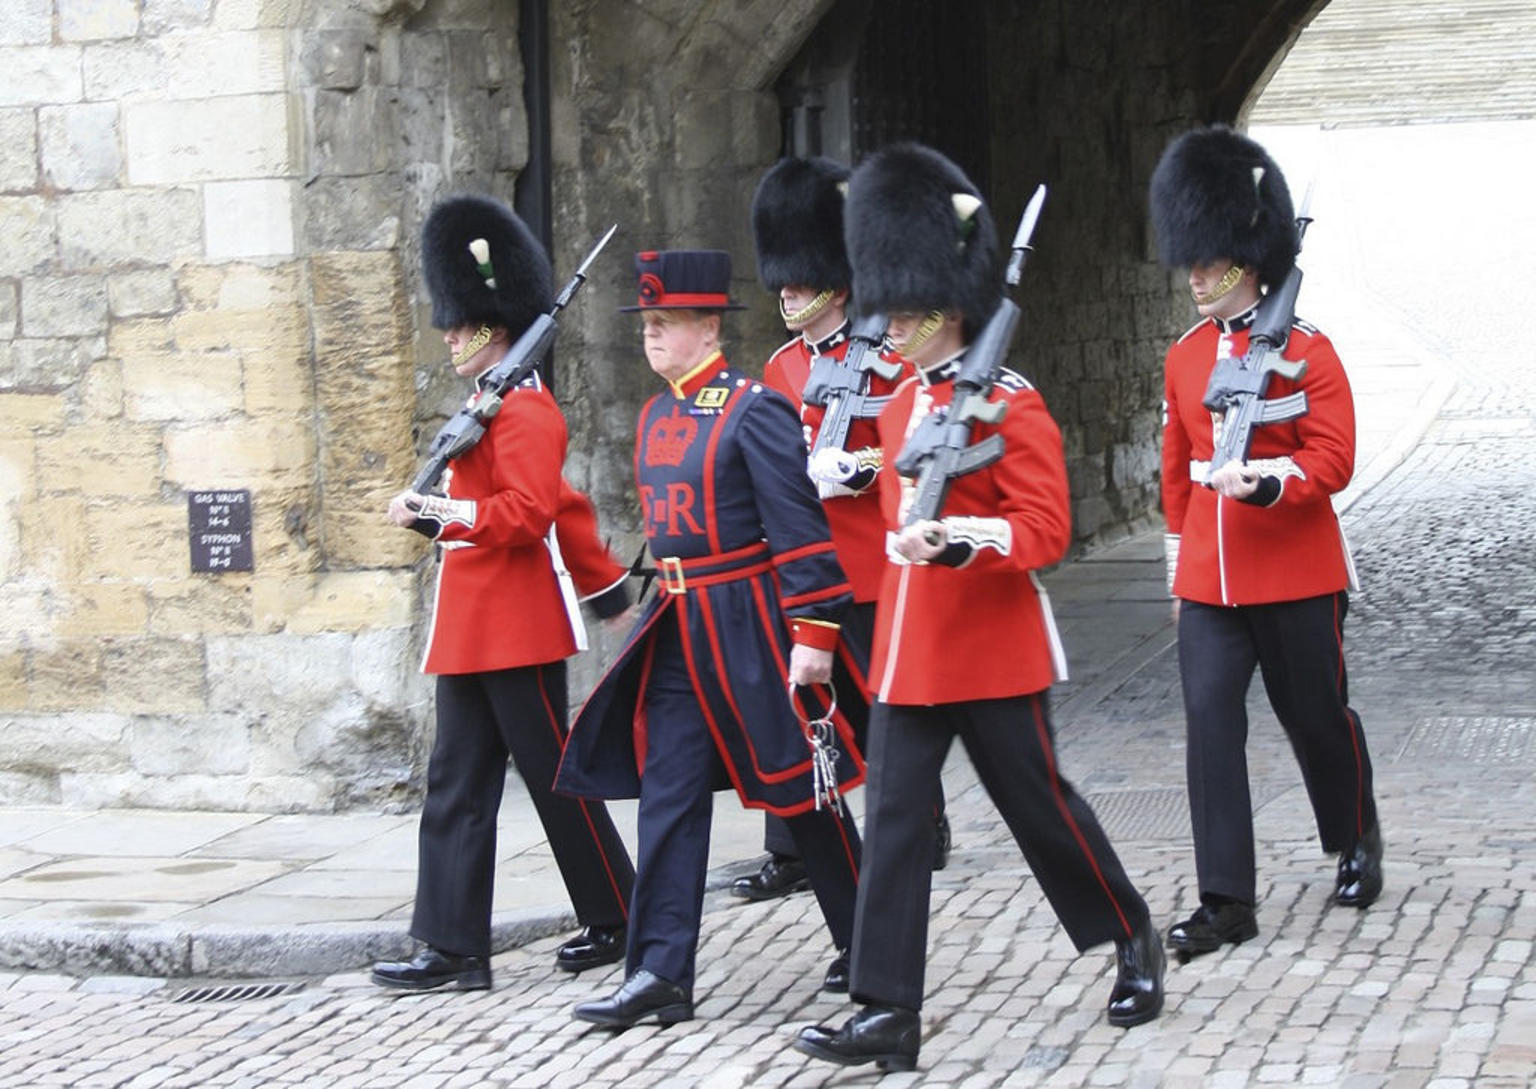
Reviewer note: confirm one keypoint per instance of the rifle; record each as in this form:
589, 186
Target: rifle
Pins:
842, 386
1236, 387
940, 450
466, 427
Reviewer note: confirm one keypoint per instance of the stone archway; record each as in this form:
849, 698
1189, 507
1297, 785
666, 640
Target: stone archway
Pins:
664, 120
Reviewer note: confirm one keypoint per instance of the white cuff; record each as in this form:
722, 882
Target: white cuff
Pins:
1171, 557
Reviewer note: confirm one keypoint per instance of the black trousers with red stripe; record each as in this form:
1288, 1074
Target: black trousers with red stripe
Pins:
1298, 647
482, 718
1011, 745
682, 770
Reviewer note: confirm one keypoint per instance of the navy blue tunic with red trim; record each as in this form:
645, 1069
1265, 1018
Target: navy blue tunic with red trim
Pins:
747, 562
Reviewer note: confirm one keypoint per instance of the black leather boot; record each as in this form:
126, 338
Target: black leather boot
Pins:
1138, 993
1210, 927
644, 996
1359, 880
836, 980
593, 947
432, 968
779, 876
887, 1036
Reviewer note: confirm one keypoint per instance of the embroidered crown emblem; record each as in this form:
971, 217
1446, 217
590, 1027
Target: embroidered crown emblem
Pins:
668, 440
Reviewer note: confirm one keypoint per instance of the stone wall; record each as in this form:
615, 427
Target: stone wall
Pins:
1098, 313
210, 209
1082, 98
210, 280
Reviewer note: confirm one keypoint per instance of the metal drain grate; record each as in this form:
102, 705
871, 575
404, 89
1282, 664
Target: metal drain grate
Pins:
1472, 739
1142, 814
236, 992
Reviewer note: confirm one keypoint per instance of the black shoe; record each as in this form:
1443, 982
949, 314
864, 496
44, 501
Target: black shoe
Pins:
780, 876
941, 841
1209, 927
836, 979
1138, 993
887, 1036
592, 948
1360, 871
644, 995
433, 968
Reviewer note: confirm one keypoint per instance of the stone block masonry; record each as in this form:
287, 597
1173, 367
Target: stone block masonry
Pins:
210, 280
205, 283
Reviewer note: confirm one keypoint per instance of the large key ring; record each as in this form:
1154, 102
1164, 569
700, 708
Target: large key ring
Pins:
806, 723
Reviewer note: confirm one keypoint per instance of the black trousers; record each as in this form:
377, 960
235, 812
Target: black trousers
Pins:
682, 770
1011, 744
1299, 649
482, 718
859, 633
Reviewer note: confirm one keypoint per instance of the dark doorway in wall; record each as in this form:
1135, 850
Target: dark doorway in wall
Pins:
872, 74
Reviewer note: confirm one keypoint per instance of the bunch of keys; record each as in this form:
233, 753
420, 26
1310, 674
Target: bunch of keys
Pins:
821, 735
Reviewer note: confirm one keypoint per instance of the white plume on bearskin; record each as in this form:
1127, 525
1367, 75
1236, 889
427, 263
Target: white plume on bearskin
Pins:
517, 288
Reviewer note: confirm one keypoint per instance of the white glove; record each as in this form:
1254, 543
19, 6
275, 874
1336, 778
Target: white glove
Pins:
831, 466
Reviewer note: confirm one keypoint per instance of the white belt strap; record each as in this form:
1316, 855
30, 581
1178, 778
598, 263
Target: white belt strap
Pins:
567, 589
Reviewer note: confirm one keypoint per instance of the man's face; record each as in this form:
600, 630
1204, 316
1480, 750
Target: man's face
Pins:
793, 300
943, 341
462, 337
1206, 284
677, 341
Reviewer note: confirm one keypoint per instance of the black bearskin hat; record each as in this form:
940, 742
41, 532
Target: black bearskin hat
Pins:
911, 247
797, 223
508, 282
1207, 204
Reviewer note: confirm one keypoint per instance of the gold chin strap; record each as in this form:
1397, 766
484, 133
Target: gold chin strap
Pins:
1229, 280
808, 311
481, 338
923, 333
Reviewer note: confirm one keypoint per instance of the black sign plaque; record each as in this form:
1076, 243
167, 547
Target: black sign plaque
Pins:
219, 521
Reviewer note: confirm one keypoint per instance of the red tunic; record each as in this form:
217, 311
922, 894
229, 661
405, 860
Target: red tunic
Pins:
1236, 553
499, 602
599, 578
983, 630
858, 528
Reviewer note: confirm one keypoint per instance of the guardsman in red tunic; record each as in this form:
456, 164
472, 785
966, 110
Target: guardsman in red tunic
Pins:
749, 601
1258, 566
964, 643
519, 549
797, 223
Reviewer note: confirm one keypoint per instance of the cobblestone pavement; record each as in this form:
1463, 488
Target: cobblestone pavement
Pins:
1433, 986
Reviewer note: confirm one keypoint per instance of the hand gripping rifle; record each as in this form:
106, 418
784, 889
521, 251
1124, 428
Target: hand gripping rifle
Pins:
467, 426
842, 386
941, 449
1236, 387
